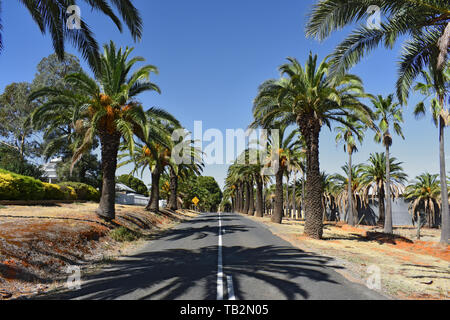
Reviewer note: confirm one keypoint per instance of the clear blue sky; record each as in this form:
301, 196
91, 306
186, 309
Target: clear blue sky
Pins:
212, 56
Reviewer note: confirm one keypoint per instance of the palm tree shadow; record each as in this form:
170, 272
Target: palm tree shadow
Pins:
170, 274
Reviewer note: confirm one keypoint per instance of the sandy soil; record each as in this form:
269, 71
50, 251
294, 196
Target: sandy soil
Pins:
410, 269
37, 244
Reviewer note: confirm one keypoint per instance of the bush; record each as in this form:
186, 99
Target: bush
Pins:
56, 192
83, 191
17, 187
133, 183
123, 234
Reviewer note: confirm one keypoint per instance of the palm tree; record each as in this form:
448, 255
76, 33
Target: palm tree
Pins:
350, 136
343, 193
105, 108
155, 151
425, 22
51, 17
436, 84
180, 171
389, 114
328, 194
425, 195
307, 97
288, 145
373, 180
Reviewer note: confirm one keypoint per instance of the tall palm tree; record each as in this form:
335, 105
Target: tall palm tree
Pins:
51, 17
425, 22
389, 114
105, 108
425, 194
184, 170
436, 84
307, 97
155, 150
288, 145
350, 137
343, 193
373, 180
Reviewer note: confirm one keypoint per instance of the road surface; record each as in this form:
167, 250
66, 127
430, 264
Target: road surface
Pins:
220, 256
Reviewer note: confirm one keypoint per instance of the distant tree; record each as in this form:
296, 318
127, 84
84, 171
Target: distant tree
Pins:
373, 180
425, 196
51, 72
87, 171
15, 126
133, 183
11, 160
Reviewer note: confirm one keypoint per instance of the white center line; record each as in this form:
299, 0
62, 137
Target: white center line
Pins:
231, 295
220, 264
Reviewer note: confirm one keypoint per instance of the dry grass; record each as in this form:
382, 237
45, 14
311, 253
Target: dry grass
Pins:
410, 269
38, 243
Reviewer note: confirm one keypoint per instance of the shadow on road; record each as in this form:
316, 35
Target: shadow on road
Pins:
170, 274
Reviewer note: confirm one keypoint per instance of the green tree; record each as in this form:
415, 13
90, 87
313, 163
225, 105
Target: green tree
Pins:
133, 183
309, 98
107, 109
435, 88
425, 24
373, 180
350, 137
389, 114
425, 194
343, 193
51, 17
15, 126
10, 160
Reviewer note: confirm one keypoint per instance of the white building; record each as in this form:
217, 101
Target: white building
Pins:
50, 170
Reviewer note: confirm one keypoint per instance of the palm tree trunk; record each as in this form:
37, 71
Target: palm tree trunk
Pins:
251, 209
313, 199
277, 216
173, 203
381, 207
241, 197
388, 222
153, 204
445, 234
294, 205
351, 214
259, 197
247, 197
110, 148
303, 196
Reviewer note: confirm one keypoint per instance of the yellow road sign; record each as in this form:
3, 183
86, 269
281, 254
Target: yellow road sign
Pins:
195, 201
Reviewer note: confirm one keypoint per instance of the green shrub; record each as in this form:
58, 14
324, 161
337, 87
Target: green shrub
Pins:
83, 191
123, 234
133, 183
56, 192
17, 187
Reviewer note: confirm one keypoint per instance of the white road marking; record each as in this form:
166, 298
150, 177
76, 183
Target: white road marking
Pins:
220, 264
231, 295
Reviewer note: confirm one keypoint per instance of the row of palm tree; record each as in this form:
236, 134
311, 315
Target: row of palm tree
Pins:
308, 98
106, 108
319, 94
368, 187
425, 25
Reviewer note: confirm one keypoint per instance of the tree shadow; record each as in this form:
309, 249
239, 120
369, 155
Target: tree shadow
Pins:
170, 274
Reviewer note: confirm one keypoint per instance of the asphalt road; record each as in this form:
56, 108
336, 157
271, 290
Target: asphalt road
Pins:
188, 263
